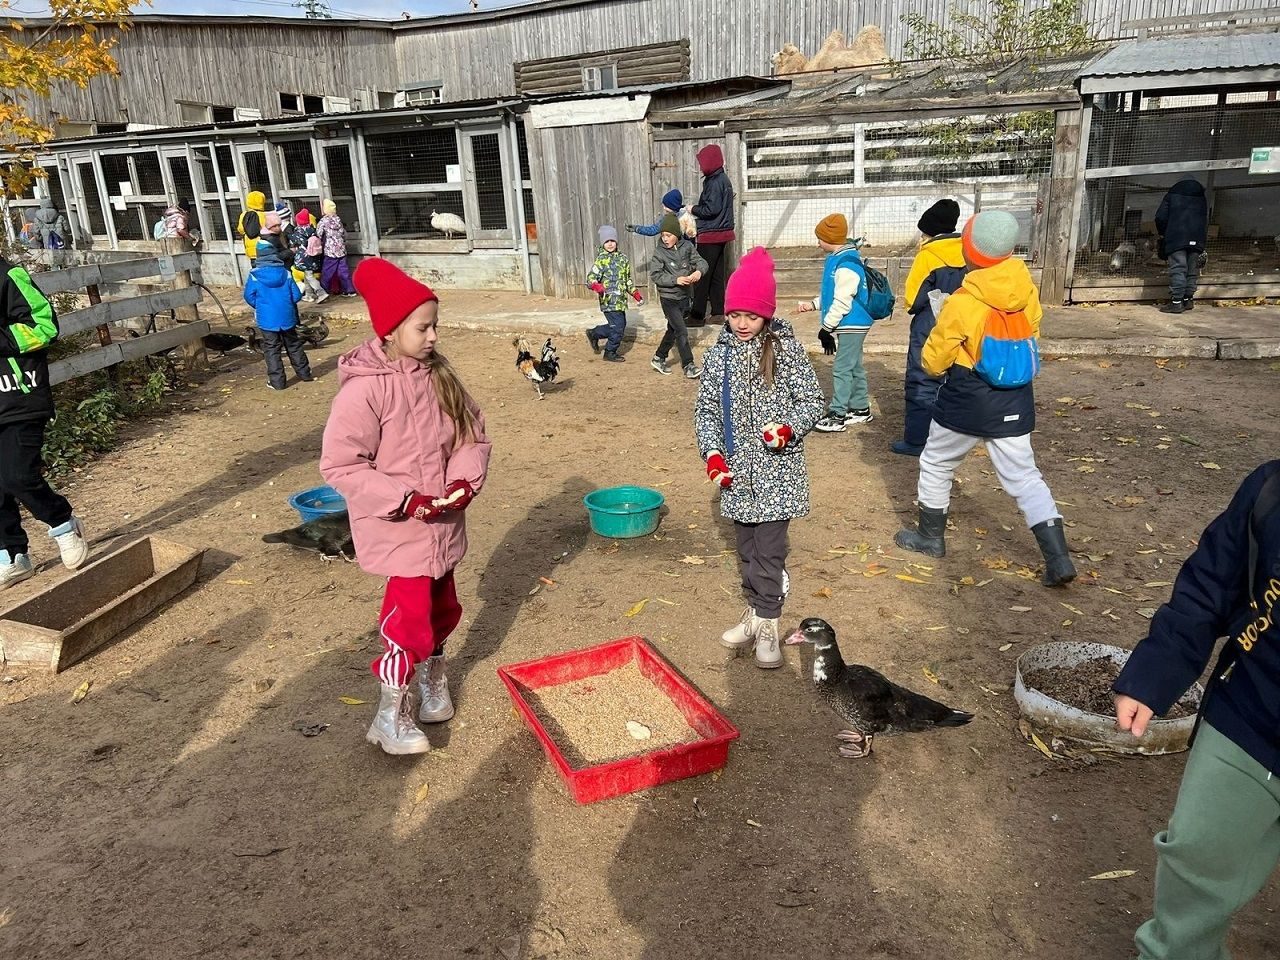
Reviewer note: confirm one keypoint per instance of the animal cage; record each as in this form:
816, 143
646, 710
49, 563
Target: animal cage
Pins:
1139, 146
884, 175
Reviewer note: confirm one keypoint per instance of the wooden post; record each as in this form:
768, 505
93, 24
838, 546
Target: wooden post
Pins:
193, 352
104, 331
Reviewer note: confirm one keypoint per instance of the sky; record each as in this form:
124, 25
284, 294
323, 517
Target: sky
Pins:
370, 9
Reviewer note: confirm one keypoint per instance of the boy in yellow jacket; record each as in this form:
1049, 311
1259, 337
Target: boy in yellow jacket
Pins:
255, 209
939, 267
997, 294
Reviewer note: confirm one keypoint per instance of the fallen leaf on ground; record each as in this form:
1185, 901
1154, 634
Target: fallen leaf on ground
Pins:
929, 674
693, 561
422, 793
1113, 875
241, 583
549, 582
824, 593
1039, 745
1006, 646
908, 578
874, 570
634, 611
1210, 465
262, 684
1147, 612
352, 701
1020, 609
752, 823
82, 691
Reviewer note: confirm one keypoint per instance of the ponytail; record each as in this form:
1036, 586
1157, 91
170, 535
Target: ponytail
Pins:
769, 347
454, 400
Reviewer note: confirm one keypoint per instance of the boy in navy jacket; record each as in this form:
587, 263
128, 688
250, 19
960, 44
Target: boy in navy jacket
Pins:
1223, 840
274, 295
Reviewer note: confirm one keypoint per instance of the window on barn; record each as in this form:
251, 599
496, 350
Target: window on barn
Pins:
290, 103
423, 96
223, 114
603, 77
193, 113
413, 173
386, 99
312, 104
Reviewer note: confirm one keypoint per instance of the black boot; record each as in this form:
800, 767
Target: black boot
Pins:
1188, 303
930, 536
613, 357
1058, 568
1174, 306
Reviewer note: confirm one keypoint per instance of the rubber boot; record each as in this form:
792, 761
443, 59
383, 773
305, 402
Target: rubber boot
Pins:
930, 536
433, 691
743, 634
768, 647
1058, 568
393, 728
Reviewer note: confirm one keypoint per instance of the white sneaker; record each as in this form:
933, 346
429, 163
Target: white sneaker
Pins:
71, 543
433, 691
859, 416
742, 635
660, 366
768, 648
321, 297
14, 570
393, 728
831, 423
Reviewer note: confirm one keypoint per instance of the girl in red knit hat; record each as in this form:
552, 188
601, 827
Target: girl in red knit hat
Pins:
405, 445
758, 398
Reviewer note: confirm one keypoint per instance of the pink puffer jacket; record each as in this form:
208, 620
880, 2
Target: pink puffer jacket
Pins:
386, 436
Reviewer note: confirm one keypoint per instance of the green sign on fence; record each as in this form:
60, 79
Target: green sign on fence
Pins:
1264, 160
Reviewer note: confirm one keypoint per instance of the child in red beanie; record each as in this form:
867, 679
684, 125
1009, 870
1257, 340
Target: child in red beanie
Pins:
758, 398
405, 445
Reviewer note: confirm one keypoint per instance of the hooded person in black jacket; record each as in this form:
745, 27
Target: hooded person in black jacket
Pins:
1183, 222
1223, 840
27, 327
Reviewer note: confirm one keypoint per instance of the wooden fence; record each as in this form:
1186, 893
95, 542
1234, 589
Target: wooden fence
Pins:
181, 271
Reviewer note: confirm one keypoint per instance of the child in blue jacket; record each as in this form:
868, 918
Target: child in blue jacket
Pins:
1223, 840
273, 295
672, 203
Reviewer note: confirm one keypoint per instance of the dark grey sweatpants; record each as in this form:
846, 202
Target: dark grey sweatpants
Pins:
762, 549
1184, 271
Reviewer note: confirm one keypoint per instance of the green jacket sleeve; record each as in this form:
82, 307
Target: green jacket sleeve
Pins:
27, 320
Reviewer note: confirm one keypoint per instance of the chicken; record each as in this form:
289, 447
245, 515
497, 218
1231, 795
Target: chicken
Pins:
448, 224
540, 371
330, 536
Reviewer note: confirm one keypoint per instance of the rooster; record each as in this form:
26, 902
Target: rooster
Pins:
540, 371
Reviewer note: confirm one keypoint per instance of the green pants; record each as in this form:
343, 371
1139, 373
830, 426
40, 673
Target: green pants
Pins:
848, 379
1221, 846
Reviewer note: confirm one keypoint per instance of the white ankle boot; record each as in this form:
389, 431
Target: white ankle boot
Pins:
433, 691
768, 646
393, 728
742, 635
71, 543
14, 569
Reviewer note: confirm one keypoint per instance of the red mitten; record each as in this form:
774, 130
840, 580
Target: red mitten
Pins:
456, 496
596, 288
637, 296
419, 506
777, 435
718, 470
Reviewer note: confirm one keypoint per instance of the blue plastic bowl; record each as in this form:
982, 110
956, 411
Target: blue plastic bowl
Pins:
622, 512
317, 502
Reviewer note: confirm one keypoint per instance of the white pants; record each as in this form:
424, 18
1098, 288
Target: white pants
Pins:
1012, 458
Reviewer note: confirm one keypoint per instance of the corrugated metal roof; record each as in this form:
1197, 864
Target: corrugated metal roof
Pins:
1234, 51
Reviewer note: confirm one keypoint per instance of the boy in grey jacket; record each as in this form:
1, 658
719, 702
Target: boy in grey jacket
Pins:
676, 268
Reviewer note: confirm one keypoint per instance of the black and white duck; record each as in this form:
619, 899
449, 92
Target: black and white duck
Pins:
869, 701
330, 536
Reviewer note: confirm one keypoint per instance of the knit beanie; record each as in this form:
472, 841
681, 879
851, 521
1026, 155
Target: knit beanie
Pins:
673, 200
752, 287
940, 218
303, 218
607, 233
670, 224
271, 223
989, 237
329, 207
833, 228
390, 293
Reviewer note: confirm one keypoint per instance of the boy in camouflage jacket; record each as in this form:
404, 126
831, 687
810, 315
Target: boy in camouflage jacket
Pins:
610, 279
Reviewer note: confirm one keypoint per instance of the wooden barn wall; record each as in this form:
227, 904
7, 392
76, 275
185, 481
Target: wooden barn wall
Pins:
727, 37
243, 66
596, 174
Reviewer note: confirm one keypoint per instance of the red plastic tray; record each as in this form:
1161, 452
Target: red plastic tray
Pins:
598, 782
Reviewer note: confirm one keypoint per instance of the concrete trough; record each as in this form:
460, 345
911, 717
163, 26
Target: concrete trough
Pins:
72, 618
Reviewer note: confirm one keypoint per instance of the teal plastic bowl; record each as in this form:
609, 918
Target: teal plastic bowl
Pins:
622, 512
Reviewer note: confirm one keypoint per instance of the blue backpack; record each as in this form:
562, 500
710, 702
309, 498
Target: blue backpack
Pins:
880, 300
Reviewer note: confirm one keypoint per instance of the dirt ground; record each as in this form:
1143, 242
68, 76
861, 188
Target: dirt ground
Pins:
176, 813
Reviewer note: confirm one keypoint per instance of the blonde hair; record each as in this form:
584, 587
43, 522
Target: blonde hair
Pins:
454, 399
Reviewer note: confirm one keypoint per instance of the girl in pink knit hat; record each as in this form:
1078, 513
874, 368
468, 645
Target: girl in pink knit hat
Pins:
758, 398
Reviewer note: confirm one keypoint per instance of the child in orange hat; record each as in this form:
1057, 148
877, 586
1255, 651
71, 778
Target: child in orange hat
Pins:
405, 445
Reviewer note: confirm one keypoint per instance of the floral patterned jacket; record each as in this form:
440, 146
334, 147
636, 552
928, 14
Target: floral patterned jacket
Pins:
613, 272
735, 404
334, 235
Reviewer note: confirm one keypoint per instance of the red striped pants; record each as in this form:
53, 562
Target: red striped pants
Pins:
418, 614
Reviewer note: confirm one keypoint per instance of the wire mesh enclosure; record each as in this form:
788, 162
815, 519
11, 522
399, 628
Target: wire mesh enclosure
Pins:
415, 174
884, 175
1140, 146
